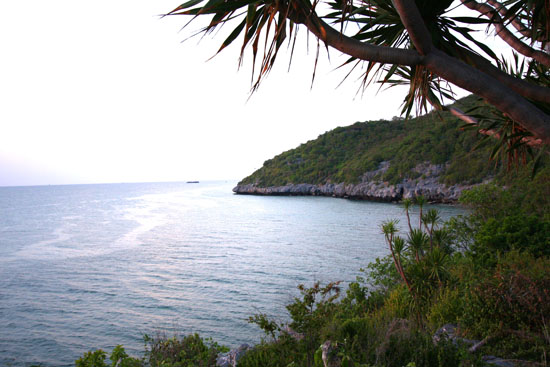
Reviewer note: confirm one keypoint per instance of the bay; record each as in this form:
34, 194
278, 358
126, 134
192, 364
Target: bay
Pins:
93, 266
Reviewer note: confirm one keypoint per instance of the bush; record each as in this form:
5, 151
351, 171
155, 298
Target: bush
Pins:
189, 351
514, 232
92, 359
447, 308
515, 295
118, 358
516, 194
281, 352
403, 345
160, 351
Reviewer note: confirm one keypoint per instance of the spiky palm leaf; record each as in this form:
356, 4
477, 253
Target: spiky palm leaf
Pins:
437, 264
417, 241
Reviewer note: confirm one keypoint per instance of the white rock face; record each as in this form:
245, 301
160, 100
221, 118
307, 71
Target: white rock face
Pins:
369, 188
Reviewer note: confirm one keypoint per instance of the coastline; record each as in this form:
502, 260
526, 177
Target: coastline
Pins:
371, 192
372, 189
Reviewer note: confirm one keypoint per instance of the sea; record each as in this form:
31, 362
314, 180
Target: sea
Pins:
84, 267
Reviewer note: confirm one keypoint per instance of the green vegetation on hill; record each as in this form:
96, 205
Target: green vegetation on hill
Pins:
346, 153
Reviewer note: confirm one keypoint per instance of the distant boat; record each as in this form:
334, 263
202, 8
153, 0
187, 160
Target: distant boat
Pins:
192, 181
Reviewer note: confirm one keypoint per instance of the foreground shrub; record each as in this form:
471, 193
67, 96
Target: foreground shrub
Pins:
447, 308
189, 351
160, 351
118, 358
403, 344
515, 217
514, 232
516, 295
281, 352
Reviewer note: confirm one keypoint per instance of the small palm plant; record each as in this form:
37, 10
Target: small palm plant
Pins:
422, 259
417, 241
430, 219
407, 203
436, 263
396, 245
420, 201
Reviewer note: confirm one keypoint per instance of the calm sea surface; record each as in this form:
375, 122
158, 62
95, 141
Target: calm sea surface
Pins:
93, 266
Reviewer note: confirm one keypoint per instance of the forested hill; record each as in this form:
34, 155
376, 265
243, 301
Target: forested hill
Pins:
392, 152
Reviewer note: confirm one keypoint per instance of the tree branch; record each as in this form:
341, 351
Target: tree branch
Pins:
522, 87
514, 21
413, 22
496, 93
505, 34
358, 49
531, 141
410, 15
461, 115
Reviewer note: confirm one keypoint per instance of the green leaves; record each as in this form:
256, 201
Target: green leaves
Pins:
268, 326
190, 350
92, 359
389, 228
308, 311
398, 245
533, 15
236, 32
417, 241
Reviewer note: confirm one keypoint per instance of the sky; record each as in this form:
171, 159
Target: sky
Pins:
109, 92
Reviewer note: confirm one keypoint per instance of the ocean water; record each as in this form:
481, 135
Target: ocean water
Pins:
93, 266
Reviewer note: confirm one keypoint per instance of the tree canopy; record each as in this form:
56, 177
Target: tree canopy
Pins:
421, 43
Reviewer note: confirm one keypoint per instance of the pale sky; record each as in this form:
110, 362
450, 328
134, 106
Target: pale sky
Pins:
105, 91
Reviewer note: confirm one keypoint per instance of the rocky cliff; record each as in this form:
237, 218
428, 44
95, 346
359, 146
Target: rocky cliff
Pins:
370, 188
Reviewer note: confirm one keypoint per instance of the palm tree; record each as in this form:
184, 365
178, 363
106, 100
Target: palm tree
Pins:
396, 245
420, 201
430, 219
389, 229
407, 203
420, 43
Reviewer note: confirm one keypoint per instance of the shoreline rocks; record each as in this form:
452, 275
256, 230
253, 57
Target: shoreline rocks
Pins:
231, 358
370, 188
